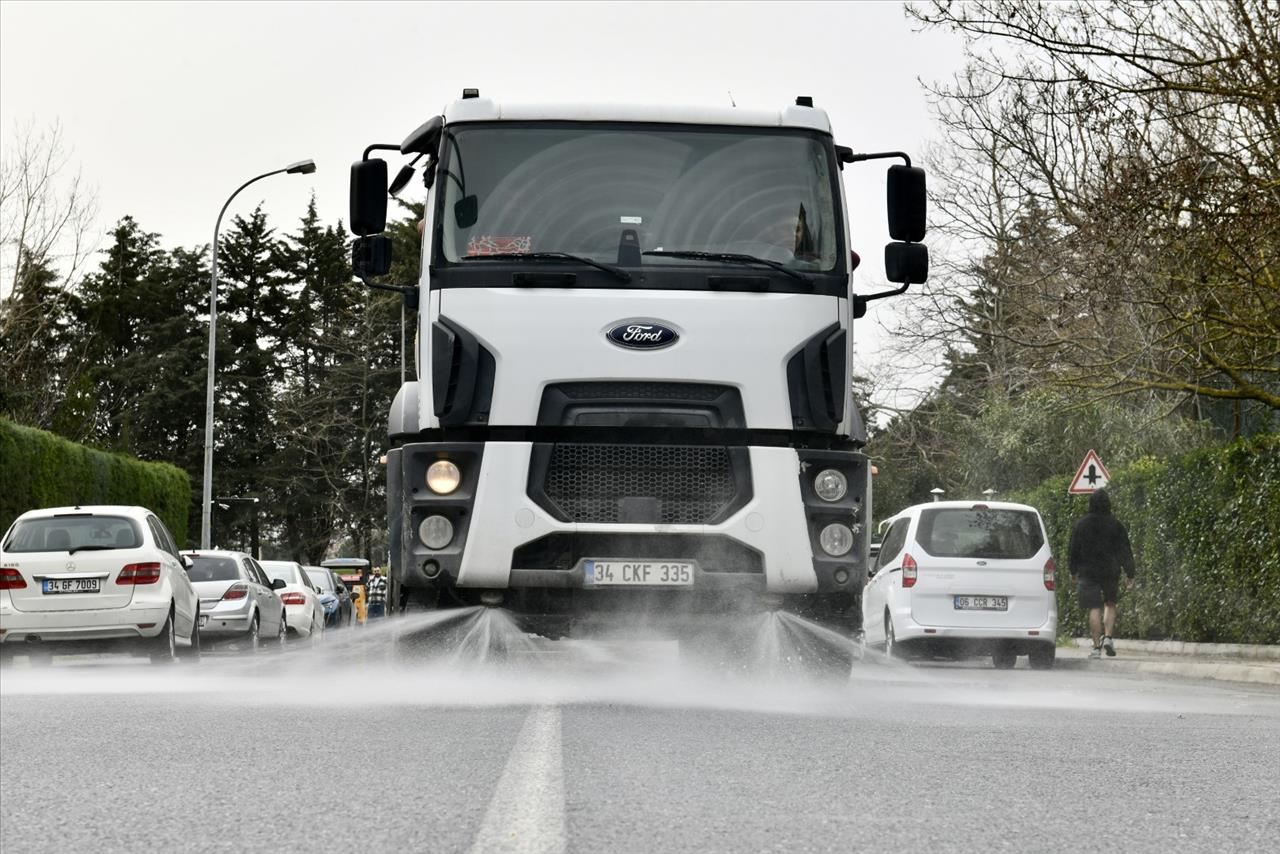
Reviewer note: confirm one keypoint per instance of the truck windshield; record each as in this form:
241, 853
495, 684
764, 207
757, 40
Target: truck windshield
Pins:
598, 191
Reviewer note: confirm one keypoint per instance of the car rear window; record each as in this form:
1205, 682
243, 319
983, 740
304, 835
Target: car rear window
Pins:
279, 570
73, 533
980, 533
320, 578
213, 569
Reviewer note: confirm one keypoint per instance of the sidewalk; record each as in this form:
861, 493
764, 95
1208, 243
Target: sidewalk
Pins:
1226, 662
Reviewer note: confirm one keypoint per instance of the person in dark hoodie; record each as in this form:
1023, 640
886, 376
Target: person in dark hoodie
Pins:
1099, 550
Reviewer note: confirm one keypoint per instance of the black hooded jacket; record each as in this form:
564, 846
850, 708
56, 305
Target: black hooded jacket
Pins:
1099, 543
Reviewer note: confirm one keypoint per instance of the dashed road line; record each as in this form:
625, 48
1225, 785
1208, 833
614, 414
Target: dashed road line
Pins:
526, 813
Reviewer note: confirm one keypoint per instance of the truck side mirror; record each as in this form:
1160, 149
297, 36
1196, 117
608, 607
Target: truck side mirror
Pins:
907, 204
906, 263
371, 256
369, 197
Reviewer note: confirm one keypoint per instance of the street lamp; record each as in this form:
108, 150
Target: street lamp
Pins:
302, 167
224, 503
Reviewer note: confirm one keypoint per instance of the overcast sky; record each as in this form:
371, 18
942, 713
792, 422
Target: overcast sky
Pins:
170, 106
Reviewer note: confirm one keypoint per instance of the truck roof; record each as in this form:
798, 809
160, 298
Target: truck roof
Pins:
488, 110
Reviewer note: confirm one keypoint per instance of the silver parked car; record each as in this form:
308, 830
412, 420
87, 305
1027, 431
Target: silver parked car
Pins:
237, 599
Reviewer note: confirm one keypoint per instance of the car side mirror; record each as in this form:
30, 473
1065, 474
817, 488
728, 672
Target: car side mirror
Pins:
187, 562
277, 584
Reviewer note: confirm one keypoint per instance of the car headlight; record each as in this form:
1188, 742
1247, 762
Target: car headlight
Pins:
830, 485
443, 477
436, 532
836, 539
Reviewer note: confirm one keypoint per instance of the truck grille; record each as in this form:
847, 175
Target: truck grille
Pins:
654, 484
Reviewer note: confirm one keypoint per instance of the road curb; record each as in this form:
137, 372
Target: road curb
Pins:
1223, 671
1256, 652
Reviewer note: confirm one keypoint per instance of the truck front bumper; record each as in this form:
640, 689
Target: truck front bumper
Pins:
504, 537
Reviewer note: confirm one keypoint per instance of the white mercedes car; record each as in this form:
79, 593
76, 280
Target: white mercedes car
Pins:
962, 578
300, 596
77, 579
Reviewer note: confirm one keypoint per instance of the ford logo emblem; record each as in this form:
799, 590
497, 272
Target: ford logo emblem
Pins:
642, 335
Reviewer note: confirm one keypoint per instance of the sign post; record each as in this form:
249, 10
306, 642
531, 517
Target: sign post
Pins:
1090, 477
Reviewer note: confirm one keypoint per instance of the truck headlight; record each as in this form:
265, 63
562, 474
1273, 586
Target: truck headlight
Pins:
836, 539
443, 477
830, 485
436, 532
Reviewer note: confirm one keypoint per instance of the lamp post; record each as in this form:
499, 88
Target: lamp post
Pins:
302, 167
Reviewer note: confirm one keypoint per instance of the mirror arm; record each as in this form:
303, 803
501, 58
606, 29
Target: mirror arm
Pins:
379, 146
399, 289
860, 301
845, 155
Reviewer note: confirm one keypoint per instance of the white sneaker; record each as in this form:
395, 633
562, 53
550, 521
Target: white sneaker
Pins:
1096, 652
1109, 645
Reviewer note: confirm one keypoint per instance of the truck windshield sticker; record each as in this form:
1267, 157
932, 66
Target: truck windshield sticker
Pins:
488, 244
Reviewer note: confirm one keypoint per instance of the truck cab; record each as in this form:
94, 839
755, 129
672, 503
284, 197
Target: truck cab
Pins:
633, 348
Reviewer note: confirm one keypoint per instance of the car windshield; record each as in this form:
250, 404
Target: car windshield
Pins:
980, 533
320, 578
282, 571
589, 190
73, 533
205, 568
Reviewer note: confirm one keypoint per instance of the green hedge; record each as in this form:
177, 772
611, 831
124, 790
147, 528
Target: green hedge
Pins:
39, 469
1205, 530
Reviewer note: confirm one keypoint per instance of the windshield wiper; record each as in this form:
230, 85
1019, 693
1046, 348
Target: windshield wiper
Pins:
732, 257
89, 549
616, 272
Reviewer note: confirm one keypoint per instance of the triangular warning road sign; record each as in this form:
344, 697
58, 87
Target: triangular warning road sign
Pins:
1091, 476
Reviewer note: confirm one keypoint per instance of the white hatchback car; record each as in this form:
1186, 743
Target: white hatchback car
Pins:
85, 578
300, 596
958, 577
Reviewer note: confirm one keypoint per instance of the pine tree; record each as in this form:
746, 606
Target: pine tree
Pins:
37, 351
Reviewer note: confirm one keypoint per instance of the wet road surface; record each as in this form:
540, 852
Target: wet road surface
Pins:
624, 748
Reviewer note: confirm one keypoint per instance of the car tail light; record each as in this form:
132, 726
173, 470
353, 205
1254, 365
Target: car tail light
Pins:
139, 573
11, 579
236, 591
293, 599
909, 571
1048, 574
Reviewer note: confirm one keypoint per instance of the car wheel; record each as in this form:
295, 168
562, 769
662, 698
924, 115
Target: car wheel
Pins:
891, 649
192, 653
254, 639
282, 633
164, 646
1004, 658
1042, 656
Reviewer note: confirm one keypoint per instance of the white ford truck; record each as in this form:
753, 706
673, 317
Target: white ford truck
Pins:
633, 349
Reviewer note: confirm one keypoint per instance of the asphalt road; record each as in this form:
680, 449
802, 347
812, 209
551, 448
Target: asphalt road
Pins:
622, 748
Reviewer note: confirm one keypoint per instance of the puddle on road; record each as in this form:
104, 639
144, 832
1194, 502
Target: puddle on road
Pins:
774, 662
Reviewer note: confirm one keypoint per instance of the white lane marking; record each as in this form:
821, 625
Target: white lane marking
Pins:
526, 814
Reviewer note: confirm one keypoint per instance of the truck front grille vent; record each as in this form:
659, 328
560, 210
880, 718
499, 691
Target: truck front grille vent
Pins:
657, 484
